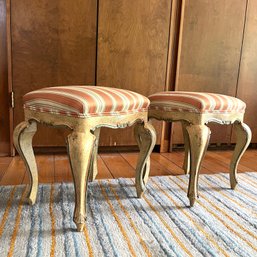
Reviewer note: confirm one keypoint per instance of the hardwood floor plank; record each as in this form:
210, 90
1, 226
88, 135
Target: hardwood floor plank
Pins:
156, 168
4, 160
45, 165
130, 158
15, 173
56, 168
103, 171
247, 163
214, 165
171, 166
250, 160
4, 164
118, 166
219, 155
177, 157
62, 170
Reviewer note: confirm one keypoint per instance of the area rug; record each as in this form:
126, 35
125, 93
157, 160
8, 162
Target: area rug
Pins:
222, 222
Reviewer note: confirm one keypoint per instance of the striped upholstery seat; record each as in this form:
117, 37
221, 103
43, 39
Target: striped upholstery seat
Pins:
85, 101
195, 102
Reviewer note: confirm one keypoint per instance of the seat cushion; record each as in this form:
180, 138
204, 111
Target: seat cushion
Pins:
85, 101
195, 102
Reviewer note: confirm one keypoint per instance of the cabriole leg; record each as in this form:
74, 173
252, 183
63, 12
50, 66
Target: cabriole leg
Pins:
22, 137
80, 147
93, 163
243, 139
198, 138
146, 137
186, 164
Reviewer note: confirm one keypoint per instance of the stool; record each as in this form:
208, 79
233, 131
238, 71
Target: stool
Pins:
84, 110
194, 110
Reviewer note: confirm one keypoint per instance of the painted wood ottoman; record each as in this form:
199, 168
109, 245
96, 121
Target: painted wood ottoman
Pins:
194, 110
84, 110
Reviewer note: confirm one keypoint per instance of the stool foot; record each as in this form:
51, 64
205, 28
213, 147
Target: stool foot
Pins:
233, 183
191, 201
198, 137
243, 139
29, 199
80, 227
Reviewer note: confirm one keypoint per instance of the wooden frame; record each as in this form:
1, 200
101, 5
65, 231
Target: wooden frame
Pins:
82, 149
196, 139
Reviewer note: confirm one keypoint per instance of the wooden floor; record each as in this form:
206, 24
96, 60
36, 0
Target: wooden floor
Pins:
55, 167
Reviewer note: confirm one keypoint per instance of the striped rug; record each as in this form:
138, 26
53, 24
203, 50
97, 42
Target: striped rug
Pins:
222, 223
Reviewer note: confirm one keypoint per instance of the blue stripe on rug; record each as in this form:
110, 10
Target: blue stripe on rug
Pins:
172, 247
156, 232
241, 213
218, 232
71, 223
39, 242
70, 246
105, 237
112, 188
222, 222
32, 234
190, 233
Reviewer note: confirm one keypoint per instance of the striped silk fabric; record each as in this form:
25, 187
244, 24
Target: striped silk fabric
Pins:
195, 102
85, 101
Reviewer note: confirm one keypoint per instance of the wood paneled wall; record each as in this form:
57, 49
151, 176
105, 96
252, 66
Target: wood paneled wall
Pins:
247, 84
209, 54
53, 43
133, 41
4, 99
128, 44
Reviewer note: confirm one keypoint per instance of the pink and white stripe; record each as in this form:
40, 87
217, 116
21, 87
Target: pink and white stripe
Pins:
85, 101
196, 102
